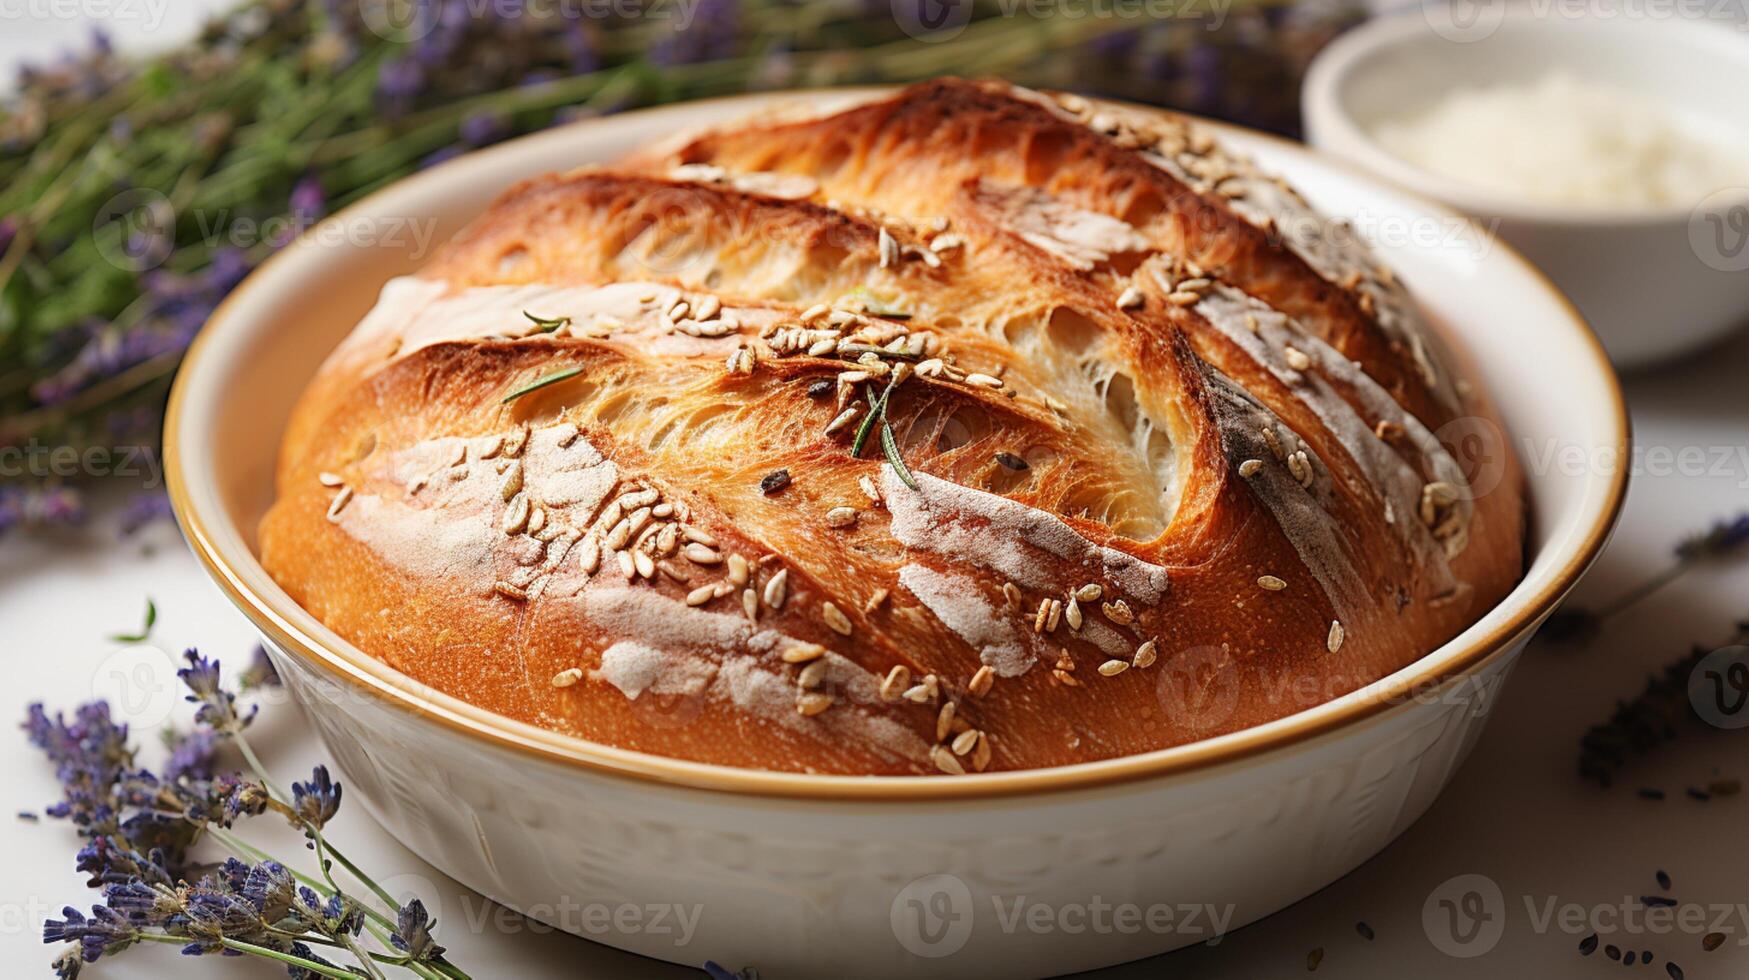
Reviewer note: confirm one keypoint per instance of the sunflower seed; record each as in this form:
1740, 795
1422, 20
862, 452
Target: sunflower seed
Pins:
835, 618
812, 703
1271, 583
982, 681
841, 517
1334, 641
1112, 668
776, 588
567, 677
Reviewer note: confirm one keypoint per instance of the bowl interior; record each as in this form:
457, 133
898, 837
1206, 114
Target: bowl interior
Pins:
1542, 366
1394, 67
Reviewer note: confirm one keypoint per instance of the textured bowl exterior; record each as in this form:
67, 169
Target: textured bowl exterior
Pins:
853, 888
813, 875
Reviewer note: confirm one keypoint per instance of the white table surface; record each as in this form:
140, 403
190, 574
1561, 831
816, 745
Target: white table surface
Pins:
1516, 814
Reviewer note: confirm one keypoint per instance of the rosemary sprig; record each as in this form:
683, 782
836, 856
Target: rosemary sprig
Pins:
541, 382
544, 324
891, 447
145, 630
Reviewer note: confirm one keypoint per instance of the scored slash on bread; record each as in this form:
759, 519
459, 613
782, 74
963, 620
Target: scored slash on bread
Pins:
1133, 468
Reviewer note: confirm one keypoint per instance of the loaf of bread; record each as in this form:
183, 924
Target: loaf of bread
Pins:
957, 429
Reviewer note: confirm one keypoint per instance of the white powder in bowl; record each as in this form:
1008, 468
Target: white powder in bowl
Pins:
1565, 141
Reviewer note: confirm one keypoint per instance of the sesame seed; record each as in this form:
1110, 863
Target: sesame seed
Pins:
1271, 583
1388, 430
919, 693
493, 447
889, 249
1337, 633
812, 675
894, 684
803, 653
776, 588
701, 595
943, 758
1250, 467
1112, 668
982, 681
516, 515
981, 754
512, 480
1300, 466
509, 591
589, 556
944, 721
812, 703
1130, 298
814, 312
1065, 677
843, 419
329, 480
1144, 656
698, 554
567, 677
869, 489
1184, 298
835, 618
1011, 595
841, 517
707, 308
619, 535
1072, 613
875, 600
983, 381
339, 503
1089, 592
966, 741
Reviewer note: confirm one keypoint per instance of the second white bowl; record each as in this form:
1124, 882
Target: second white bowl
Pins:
1653, 282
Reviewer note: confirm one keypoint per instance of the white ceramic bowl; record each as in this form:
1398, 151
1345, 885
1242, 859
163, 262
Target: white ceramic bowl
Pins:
817, 875
1653, 282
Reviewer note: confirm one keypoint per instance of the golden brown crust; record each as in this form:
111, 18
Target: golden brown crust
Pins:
1090, 412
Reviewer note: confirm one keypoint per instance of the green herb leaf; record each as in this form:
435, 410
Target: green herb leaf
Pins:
544, 324
145, 631
891, 447
539, 383
877, 412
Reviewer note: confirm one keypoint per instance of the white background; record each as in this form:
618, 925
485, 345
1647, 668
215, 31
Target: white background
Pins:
1516, 814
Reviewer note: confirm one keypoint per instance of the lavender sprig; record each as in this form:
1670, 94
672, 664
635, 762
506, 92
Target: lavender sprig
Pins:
141, 830
1723, 539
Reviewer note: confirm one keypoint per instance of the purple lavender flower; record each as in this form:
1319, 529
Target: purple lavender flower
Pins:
307, 201
106, 931
318, 800
484, 127
399, 85
1723, 537
218, 707
412, 933
142, 509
